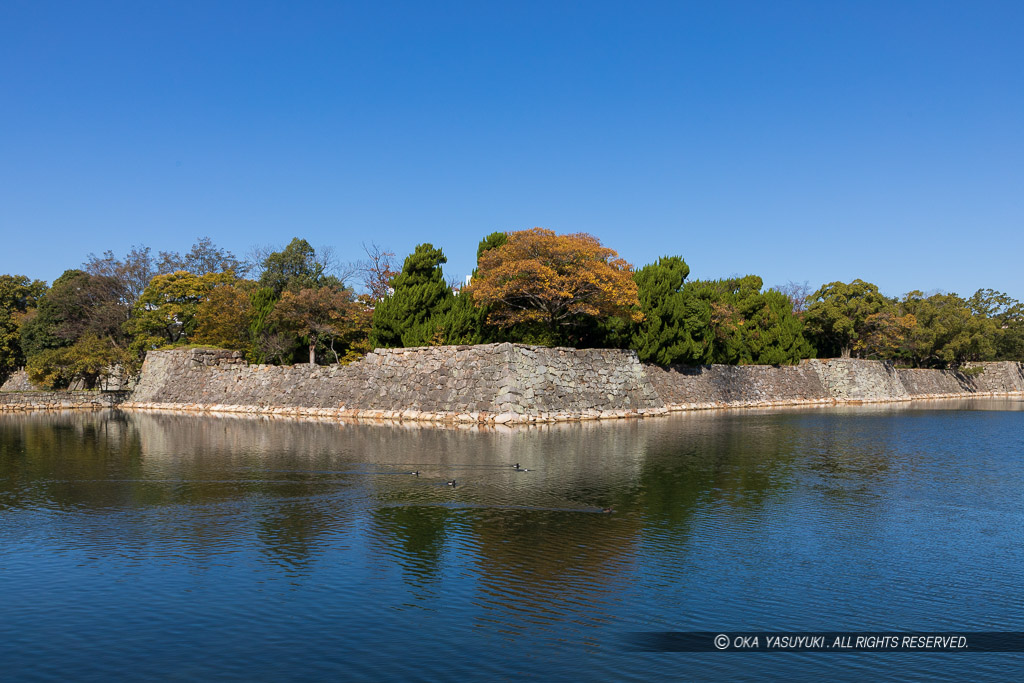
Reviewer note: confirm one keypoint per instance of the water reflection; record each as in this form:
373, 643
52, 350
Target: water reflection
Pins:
874, 517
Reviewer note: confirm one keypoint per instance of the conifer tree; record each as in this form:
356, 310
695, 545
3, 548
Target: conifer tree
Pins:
414, 314
466, 320
675, 325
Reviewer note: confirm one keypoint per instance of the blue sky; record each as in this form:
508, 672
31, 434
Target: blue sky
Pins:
813, 141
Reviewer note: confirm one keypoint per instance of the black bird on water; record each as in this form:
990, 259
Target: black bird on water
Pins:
451, 483
519, 469
415, 473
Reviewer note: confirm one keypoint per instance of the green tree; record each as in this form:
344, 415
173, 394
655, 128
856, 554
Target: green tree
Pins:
296, 267
1008, 315
89, 359
773, 332
464, 322
18, 295
413, 315
266, 343
886, 335
676, 324
203, 258
947, 333
492, 241
225, 315
166, 311
837, 315
1010, 343
748, 326
78, 304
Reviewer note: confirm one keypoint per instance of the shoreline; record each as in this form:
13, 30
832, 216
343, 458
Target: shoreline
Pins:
485, 419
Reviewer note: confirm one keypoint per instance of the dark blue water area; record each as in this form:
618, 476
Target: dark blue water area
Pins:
146, 546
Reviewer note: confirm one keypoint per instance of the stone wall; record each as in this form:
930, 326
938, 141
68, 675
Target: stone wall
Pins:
934, 382
18, 381
998, 378
11, 401
850, 379
510, 383
18, 394
837, 380
117, 381
714, 386
488, 383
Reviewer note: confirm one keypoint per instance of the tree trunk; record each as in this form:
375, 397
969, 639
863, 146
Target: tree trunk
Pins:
845, 353
312, 349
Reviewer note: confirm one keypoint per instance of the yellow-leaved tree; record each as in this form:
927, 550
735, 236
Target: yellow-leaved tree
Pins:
560, 281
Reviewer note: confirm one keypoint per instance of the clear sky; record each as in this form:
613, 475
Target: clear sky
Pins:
813, 141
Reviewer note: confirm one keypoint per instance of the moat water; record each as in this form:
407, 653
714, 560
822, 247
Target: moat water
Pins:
140, 546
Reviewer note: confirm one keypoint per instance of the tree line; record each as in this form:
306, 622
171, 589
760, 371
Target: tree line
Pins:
531, 286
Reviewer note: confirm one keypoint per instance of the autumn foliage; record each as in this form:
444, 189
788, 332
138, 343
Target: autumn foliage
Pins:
531, 287
556, 280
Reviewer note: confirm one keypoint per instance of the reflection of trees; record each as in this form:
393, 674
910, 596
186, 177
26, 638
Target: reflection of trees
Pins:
844, 458
135, 473
293, 532
63, 459
206, 484
541, 567
736, 459
415, 536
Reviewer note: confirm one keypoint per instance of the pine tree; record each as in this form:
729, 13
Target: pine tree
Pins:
674, 325
414, 314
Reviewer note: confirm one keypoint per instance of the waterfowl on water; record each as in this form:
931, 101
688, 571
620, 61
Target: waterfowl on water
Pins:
451, 483
607, 511
415, 473
521, 469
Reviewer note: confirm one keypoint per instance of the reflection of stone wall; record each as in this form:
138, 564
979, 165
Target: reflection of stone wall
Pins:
489, 383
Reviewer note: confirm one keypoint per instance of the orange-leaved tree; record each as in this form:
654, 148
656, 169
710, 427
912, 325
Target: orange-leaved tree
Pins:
316, 315
557, 280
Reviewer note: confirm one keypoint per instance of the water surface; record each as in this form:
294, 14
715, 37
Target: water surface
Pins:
170, 546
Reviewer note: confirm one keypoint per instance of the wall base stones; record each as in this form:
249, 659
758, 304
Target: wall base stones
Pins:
18, 401
508, 384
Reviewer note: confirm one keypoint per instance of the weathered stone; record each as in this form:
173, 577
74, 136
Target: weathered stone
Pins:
509, 383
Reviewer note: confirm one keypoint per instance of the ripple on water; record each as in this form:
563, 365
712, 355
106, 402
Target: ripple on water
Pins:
197, 548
